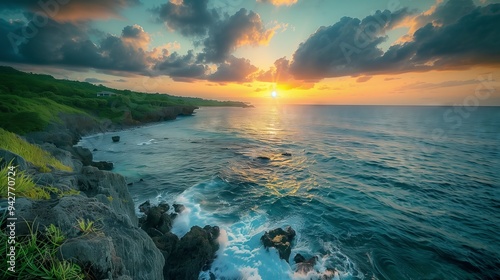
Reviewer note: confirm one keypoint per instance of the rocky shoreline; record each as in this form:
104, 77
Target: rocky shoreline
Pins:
121, 247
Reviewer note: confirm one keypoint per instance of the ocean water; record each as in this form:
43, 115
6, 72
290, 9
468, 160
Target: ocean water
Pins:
375, 192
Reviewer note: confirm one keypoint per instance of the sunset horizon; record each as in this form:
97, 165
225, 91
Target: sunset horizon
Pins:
381, 53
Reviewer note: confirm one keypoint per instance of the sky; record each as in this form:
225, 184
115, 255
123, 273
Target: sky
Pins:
391, 52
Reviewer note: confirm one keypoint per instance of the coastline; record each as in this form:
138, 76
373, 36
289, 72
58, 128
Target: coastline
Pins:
123, 247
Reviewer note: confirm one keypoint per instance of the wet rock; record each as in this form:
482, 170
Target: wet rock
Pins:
156, 217
116, 138
144, 208
286, 154
306, 266
281, 240
263, 158
194, 251
166, 243
299, 258
179, 208
103, 165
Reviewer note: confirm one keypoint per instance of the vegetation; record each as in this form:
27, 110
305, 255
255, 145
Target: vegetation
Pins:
32, 153
24, 185
86, 226
36, 256
29, 102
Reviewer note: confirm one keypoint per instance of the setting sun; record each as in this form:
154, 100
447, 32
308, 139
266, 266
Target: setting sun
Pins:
274, 94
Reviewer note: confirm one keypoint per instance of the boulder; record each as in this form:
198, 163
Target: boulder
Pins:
118, 248
7, 157
179, 208
286, 154
156, 217
94, 252
194, 251
116, 138
82, 154
305, 266
103, 165
281, 240
263, 158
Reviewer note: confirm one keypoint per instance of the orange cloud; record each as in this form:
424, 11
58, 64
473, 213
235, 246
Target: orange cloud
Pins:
279, 2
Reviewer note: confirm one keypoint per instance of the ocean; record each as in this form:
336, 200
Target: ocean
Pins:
376, 192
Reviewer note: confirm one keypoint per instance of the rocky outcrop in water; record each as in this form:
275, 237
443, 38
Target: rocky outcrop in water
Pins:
184, 257
281, 240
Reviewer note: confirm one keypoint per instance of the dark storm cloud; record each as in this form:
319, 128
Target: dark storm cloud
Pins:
68, 44
342, 48
350, 47
71, 10
242, 28
190, 18
234, 70
181, 67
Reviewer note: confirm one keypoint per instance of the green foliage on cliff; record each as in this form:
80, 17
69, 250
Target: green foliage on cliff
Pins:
32, 153
23, 185
36, 256
29, 102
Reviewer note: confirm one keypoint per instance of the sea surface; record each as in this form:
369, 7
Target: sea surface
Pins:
375, 192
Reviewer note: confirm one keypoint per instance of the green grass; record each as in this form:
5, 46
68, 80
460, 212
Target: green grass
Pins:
86, 227
29, 102
32, 153
36, 257
23, 187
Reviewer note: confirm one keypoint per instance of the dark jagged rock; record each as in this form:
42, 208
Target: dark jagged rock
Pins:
305, 266
179, 208
116, 138
279, 239
144, 207
82, 154
103, 165
129, 251
263, 158
299, 258
286, 154
167, 243
156, 217
194, 251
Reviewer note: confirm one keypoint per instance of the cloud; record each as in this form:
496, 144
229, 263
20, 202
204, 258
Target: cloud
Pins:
189, 17
73, 10
136, 36
363, 79
341, 49
424, 85
279, 2
233, 70
95, 81
181, 67
350, 47
242, 28
69, 44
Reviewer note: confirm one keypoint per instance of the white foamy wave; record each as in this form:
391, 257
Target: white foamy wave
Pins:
149, 142
241, 254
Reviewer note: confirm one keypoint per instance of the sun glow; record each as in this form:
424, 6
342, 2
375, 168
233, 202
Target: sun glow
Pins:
274, 94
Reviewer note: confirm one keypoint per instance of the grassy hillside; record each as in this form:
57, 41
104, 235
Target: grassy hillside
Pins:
28, 102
